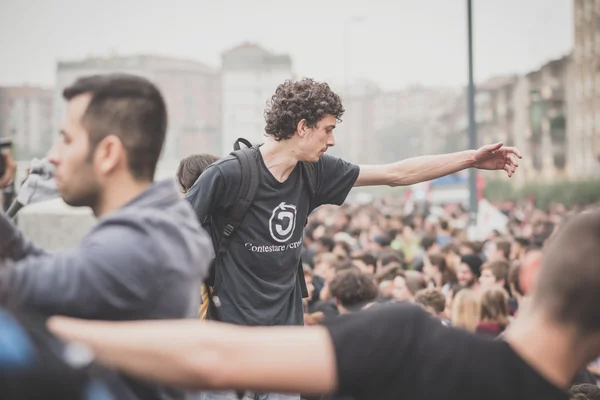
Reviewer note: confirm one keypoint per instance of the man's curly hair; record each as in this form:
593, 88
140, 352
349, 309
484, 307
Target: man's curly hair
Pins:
353, 287
294, 101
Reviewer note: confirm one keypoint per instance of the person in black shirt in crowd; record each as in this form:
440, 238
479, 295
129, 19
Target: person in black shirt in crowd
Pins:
388, 352
256, 279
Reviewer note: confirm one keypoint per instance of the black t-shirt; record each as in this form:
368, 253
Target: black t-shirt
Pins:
398, 351
257, 282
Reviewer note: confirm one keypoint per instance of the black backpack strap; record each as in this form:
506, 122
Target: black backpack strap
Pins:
245, 142
310, 174
250, 179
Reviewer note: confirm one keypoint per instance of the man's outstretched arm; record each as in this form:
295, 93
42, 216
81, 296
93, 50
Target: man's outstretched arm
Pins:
425, 168
187, 353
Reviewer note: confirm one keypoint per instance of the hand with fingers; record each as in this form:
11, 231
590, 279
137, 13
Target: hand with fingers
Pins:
496, 157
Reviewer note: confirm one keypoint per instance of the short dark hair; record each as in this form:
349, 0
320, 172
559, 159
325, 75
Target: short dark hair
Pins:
444, 224
130, 107
523, 241
450, 247
294, 101
569, 280
389, 272
433, 298
391, 256
353, 288
190, 168
367, 258
428, 241
327, 242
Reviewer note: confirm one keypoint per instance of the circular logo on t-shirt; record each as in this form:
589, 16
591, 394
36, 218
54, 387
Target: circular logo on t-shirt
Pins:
283, 222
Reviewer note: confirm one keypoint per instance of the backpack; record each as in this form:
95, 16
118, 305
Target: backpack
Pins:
250, 180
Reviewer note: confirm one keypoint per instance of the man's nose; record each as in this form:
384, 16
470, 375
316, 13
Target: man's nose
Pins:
331, 140
53, 154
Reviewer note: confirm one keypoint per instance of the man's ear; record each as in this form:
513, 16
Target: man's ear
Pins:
301, 128
108, 153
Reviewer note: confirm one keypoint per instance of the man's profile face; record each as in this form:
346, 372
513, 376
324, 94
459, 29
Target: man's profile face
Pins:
318, 139
74, 172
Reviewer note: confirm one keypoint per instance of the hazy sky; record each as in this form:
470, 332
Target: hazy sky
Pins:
399, 42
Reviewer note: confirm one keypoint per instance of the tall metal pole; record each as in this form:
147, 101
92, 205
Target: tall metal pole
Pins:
472, 124
346, 56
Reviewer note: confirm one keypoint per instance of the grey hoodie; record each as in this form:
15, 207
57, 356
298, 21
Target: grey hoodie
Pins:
143, 261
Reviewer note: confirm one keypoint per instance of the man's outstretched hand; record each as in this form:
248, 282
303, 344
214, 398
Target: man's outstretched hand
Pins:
9, 170
497, 156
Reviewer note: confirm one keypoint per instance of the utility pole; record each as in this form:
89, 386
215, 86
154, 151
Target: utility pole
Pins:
472, 123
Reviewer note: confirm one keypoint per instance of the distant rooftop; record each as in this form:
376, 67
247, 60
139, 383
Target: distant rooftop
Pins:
557, 64
250, 55
144, 61
25, 91
497, 82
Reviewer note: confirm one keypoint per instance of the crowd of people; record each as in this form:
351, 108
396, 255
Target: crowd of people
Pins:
359, 256
397, 299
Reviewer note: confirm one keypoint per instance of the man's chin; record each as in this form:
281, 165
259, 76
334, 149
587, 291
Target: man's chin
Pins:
74, 201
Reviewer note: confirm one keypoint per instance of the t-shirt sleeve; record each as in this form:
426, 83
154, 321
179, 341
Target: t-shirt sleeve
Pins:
373, 347
335, 178
209, 192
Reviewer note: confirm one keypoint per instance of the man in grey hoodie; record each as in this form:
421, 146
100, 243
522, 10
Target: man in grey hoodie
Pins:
147, 256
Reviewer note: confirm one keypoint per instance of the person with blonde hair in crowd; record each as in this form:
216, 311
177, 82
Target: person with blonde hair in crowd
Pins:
494, 312
466, 310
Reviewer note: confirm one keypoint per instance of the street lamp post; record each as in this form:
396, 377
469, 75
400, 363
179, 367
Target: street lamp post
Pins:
472, 124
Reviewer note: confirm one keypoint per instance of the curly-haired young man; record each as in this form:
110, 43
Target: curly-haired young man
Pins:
257, 279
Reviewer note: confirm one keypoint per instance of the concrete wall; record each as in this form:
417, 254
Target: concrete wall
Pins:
53, 225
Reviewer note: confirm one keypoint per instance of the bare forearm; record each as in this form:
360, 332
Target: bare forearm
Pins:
425, 168
211, 355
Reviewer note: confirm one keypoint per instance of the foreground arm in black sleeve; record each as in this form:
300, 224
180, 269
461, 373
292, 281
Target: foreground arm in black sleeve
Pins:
346, 356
